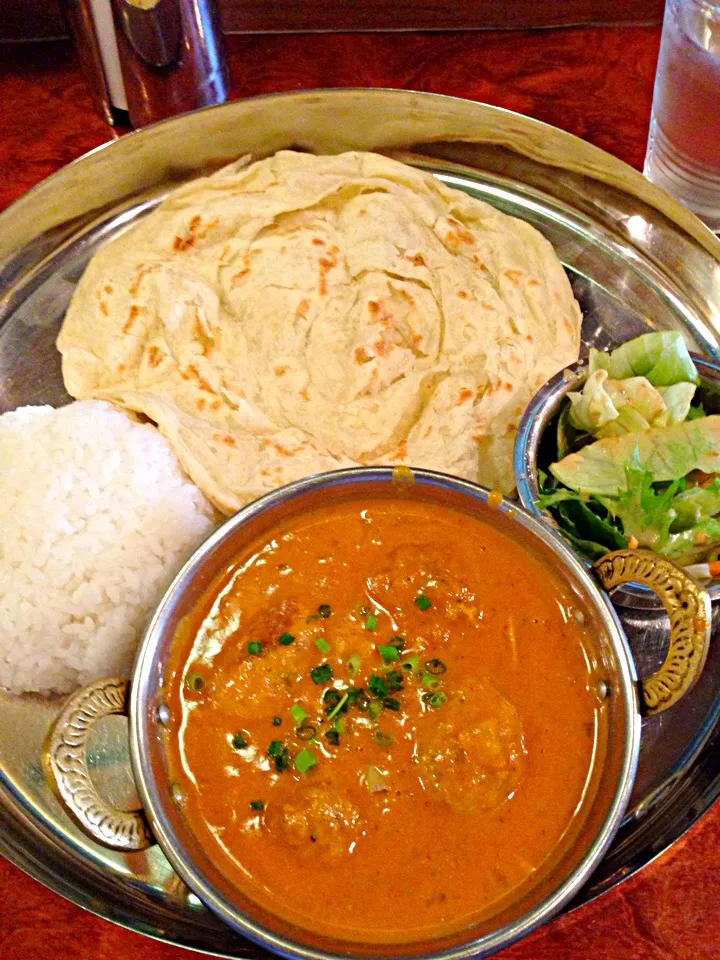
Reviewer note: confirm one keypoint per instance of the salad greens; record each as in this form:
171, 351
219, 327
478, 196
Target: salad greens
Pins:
638, 462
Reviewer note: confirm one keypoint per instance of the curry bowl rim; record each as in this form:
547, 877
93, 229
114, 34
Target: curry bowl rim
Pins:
140, 712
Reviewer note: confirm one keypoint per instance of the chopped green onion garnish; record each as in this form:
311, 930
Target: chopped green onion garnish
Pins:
194, 682
257, 805
383, 739
357, 698
430, 682
239, 742
394, 681
422, 602
377, 685
286, 639
390, 703
275, 748
388, 652
353, 664
306, 731
297, 713
333, 737
276, 721
325, 610
371, 622
435, 666
437, 699
305, 760
339, 726
322, 644
412, 663
397, 641
338, 706
254, 647
322, 674
282, 760
375, 709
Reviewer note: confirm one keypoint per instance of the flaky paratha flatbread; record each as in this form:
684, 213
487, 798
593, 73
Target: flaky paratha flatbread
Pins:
307, 313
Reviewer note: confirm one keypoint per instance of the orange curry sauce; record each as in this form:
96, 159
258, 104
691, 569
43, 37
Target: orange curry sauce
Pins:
435, 760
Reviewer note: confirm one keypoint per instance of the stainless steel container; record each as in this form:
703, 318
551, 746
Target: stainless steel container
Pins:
145, 60
65, 756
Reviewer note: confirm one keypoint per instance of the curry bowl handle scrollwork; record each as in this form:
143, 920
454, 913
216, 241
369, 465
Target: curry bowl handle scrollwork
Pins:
65, 765
688, 607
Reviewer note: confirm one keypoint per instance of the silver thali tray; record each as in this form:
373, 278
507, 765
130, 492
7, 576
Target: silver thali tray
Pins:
636, 260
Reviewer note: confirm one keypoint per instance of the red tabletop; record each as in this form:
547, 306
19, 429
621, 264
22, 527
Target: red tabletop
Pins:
595, 82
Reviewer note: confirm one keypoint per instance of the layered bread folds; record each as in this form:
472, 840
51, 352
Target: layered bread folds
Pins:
305, 313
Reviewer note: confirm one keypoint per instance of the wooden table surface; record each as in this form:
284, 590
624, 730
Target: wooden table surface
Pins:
594, 82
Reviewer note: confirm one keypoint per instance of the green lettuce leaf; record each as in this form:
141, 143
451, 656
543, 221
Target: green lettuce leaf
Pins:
693, 545
661, 357
643, 510
607, 407
677, 399
694, 504
586, 524
667, 453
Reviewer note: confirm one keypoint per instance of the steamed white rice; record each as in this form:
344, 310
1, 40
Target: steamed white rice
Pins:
96, 517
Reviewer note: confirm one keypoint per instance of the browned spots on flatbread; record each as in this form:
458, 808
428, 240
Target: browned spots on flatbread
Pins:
318, 241
142, 272
121, 368
154, 355
305, 395
532, 282
373, 307
133, 314
281, 371
362, 213
227, 438
201, 403
416, 341
508, 386
529, 337
302, 308
465, 394
510, 428
417, 259
325, 265
487, 306
407, 296
361, 355
428, 430
191, 372
514, 276
283, 451
402, 450
104, 308
195, 231
381, 347
215, 405
457, 235
463, 294
477, 262
236, 277
108, 288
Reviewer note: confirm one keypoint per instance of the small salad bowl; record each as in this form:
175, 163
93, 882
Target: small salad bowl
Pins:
536, 447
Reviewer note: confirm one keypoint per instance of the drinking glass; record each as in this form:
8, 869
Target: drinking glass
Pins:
683, 153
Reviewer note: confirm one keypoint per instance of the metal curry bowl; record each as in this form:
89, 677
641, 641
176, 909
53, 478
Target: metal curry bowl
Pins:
162, 820
535, 449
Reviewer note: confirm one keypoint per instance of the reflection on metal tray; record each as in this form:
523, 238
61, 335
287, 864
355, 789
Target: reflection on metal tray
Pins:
636, 260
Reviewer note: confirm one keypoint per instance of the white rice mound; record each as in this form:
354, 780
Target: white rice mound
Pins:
96, 517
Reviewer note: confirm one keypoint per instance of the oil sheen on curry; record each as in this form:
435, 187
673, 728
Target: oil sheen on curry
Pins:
384, 720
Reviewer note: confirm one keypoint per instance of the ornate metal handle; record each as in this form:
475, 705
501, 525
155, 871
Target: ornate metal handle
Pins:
65, 764
688, 607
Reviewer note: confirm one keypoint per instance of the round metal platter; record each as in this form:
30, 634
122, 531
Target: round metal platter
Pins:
636, 260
